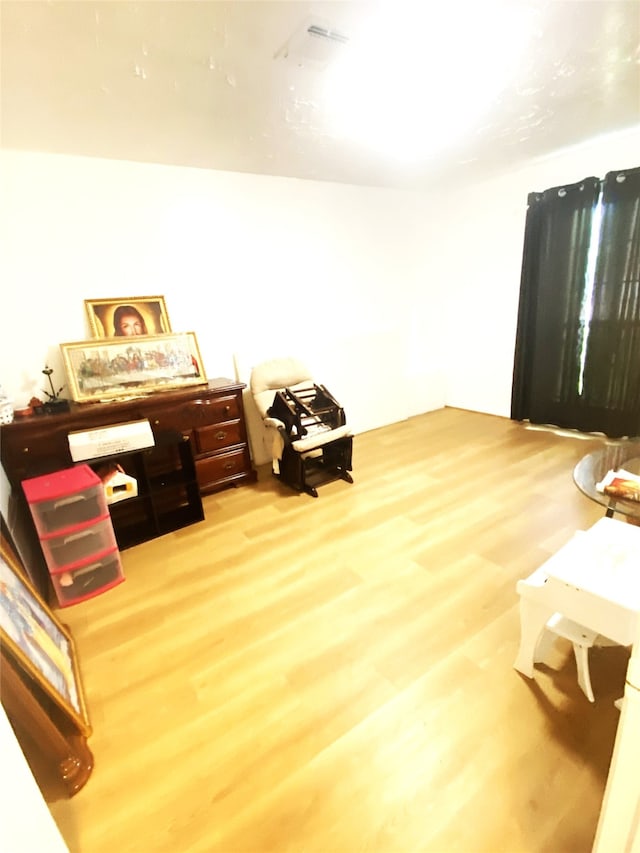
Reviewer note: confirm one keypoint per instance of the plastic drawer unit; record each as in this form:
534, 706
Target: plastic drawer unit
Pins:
83, 580
65, 499
71, 516
78, 543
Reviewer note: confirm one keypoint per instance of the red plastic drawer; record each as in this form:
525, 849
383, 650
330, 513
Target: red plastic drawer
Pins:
78, 544
65, 499
88, 580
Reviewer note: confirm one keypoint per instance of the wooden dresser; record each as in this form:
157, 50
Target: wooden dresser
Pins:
210, 417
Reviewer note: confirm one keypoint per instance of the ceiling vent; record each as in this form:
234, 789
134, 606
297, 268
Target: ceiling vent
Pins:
313, 45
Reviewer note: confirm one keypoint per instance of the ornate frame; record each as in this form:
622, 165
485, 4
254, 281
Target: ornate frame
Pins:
112, 368
37, 641
152, 310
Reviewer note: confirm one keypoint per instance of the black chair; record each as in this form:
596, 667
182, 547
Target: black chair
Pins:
311, 443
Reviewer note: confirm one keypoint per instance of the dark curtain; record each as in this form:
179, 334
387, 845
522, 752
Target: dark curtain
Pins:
612, 365
550, 335
577, 355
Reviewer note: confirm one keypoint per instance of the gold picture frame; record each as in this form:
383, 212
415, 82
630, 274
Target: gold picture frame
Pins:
41, 646
128, 316
112, 368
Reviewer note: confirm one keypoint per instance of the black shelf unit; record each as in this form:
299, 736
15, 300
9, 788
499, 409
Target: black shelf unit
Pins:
168, 493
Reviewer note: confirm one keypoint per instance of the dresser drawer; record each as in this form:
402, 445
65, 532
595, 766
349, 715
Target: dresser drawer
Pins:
195, 413
170, 418
218, 436
214, 410
216, 469
32, 454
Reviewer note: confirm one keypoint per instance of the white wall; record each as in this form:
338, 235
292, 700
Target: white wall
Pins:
256, 266
400, 302
26, 824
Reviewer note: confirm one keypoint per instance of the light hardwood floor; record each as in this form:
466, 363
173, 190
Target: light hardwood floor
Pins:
299, 675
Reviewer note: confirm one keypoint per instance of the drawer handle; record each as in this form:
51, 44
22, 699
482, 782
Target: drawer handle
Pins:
71, 499
221, 435
227, 409
228, 466
75, 536
156, 422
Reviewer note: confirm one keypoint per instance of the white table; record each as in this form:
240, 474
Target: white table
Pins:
594, 580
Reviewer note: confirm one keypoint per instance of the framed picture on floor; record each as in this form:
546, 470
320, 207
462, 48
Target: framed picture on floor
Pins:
39, 644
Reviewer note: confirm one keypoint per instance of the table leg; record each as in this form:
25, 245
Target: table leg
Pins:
533, 617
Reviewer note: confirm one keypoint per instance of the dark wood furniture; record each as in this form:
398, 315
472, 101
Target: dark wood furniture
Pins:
168, 495
55, 749
209, 417
317, 445
40, 682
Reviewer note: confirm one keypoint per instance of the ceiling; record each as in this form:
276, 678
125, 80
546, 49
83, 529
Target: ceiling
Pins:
243, 86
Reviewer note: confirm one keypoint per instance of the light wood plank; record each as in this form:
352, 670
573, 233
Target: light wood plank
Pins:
336, 674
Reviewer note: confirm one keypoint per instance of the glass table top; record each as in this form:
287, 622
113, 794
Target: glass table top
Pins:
592, 468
